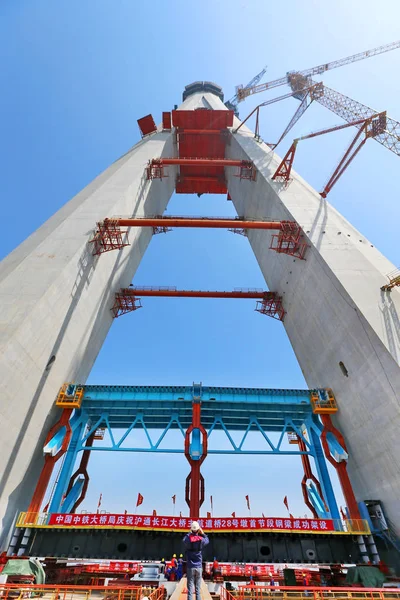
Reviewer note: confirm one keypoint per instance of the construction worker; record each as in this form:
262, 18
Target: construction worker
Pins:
215, 569
179, 572
306, 582
162, 565
194, 542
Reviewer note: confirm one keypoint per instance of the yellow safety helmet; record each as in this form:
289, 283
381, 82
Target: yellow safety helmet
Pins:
181, 556
174, 556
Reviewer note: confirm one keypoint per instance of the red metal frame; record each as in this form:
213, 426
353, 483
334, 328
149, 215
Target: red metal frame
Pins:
167, 120
50, 461
108, 236
128, 299
285, 168
204, 134
289, 240
194, 488
210, 223
155, 168
371, 127
172, 292
82, 470
125, 303
341, 467
147, 125
309, 475
272, 307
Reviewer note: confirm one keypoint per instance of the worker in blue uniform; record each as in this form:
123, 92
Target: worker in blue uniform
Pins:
179, 570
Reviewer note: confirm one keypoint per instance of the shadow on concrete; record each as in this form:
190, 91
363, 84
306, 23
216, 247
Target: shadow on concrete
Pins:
392, 324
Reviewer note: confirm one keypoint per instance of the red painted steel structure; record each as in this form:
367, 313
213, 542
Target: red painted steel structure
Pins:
371, 127
340, 466
155, 168
201, 137
82, 470
50, 461
108, 236
171, 292
194, 489
203, 222
308, 475
128, 299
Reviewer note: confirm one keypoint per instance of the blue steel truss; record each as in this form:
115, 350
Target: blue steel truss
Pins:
156, 410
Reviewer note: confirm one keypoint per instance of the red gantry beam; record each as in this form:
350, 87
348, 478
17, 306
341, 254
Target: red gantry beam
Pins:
172, 292
212, 223
128, 299
110, 236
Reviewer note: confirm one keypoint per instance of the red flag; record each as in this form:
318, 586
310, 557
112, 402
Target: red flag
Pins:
99, 503
173, 499
233, 514
154, 513
46, 508
139, 500
344, 516
291, 516
285, 502
211, 503
208, 515
248, 502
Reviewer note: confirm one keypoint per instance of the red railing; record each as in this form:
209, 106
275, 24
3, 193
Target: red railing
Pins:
258, 592
18, 591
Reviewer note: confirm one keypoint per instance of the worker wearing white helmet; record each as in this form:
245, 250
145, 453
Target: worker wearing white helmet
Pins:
194, 542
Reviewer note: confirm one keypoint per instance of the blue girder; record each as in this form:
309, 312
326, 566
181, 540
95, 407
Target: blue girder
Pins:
156, 410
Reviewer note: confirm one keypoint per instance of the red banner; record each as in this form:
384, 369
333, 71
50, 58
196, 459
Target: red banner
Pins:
254, 569
183, 524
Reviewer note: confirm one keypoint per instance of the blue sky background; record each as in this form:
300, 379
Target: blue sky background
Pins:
76, 76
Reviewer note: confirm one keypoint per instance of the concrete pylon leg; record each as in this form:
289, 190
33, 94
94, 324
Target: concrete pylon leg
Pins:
56, 299
335, 314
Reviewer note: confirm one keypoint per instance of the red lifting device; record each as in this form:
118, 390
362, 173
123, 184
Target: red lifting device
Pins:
128, 299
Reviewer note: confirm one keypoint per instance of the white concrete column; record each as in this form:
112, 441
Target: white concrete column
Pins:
336, 313
55, 308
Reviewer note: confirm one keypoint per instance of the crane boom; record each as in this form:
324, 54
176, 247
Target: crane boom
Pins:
242, 93
233, 102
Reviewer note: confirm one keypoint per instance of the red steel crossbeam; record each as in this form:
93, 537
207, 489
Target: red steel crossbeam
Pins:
155, 167
371, 127
202, 162
174, 293
128, 299
210, 223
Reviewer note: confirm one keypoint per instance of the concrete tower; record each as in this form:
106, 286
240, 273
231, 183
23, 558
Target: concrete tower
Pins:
56, 299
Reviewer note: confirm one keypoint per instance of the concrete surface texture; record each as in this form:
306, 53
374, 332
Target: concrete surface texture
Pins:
56, 299
336, 313
55, 302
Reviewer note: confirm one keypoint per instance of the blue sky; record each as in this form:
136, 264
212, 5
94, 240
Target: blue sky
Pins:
76, 76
